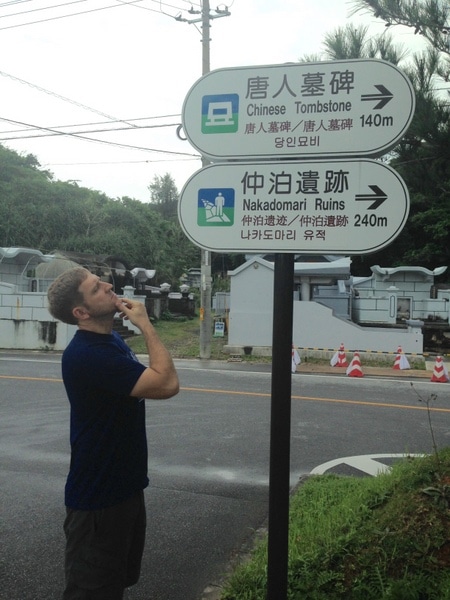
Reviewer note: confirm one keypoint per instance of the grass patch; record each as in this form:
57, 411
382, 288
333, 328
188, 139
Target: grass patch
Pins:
181, 338
370, 538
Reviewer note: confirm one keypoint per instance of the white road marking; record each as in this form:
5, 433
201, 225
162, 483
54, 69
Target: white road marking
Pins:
367, 463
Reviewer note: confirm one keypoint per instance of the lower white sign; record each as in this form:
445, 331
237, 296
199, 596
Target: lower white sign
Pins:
341, 207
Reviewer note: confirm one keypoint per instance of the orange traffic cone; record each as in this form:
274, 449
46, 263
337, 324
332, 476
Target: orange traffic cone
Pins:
401, 362
440, 373
339, 358
354, 369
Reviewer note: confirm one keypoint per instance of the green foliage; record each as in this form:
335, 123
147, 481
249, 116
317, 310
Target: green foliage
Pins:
37, 212
164, 194
350, 42
181, 338
428, 18
373, 538
423, 156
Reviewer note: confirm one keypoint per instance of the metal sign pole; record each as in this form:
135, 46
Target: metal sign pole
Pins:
280, 428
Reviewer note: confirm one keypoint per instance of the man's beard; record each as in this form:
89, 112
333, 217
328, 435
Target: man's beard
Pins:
101, 314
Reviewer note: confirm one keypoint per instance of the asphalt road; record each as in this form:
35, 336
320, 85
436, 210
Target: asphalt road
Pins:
209, 457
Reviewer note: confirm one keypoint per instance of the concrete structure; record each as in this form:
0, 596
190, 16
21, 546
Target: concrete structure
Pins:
391, 295
321, 326
25, 322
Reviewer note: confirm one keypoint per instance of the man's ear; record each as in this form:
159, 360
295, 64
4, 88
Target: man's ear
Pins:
80, 313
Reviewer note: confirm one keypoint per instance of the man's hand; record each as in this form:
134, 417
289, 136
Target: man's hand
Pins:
160, 379
133, 310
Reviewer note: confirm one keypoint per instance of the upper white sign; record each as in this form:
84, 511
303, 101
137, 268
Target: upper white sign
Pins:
339, 108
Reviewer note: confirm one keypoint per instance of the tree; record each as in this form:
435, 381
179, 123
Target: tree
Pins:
428, 18
422, 156
164, 193
354, 42
48, 215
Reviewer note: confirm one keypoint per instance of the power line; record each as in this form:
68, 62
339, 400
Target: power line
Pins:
48, 19
98, 123
122, 162
56, 130
13, 2
79, 133
64, 98
59, 96
92, 10
95, 140
32, 10
158, 2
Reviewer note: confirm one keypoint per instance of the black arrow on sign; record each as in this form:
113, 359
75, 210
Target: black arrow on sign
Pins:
379, 196
384, 96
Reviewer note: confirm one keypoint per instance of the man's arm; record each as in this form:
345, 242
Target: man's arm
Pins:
160, 379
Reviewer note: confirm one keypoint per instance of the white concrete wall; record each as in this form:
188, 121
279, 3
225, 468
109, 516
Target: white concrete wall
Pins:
35, 335
407, 284
423, 309
250, 318
316, 327
25, 322
375, 309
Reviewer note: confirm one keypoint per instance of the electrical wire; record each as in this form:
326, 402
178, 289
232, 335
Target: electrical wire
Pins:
120, 4
94, 123
64, 98
165, 4
33, 10
48, 19
95, 140
53, 131
3, 4
122, 162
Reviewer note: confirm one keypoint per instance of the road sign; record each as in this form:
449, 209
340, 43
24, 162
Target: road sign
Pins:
304, 110
314, 207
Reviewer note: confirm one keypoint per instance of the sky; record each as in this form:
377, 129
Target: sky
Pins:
95, 88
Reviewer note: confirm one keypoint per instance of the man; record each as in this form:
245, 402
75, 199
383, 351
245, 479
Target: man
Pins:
106, 386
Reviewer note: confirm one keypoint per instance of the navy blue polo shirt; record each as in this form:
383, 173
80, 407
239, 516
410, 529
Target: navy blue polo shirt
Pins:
107, 426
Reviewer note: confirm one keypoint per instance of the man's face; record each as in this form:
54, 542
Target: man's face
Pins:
98, 298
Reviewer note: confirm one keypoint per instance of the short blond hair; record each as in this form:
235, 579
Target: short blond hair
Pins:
63, 294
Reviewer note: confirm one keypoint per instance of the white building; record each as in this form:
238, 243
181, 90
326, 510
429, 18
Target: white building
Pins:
327, 302
25, 275
25, 322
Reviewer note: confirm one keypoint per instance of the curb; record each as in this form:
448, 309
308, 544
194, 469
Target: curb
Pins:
373, 371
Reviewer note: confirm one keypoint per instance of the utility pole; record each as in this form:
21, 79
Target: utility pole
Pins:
205, 282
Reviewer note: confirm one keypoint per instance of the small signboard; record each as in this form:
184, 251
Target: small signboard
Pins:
335, 207
219, 329
358, 107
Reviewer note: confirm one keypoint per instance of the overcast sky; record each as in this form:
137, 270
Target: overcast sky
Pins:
127, 66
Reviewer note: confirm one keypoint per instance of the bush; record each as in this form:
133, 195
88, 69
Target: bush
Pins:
372, 538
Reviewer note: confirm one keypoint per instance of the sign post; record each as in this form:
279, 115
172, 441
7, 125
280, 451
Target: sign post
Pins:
280, 428
286, 117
